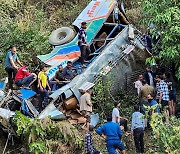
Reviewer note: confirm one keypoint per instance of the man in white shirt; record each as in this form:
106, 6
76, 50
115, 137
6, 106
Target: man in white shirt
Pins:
117, 118
138, 83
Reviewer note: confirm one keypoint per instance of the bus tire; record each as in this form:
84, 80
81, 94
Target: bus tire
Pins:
61, 36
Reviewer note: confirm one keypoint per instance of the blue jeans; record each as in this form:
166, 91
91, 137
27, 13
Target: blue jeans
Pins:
25, 81
112, 145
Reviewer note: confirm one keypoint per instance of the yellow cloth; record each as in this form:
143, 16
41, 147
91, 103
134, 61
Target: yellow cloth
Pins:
43, 78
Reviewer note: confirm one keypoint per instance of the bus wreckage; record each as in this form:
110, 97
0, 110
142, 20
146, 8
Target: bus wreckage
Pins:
115, 44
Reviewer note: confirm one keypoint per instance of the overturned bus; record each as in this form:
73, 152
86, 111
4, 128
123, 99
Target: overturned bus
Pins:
115, 46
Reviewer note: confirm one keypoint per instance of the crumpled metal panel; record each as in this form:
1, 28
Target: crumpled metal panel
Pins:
112, 52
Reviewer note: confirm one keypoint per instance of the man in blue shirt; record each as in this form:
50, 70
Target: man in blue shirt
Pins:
10, 66
112, 133
137, 128
68, 74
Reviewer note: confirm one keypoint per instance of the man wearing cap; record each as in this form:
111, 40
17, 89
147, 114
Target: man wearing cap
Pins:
86, 107
83, 44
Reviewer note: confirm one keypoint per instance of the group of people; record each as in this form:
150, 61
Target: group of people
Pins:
154, 88
22, 77
112, 130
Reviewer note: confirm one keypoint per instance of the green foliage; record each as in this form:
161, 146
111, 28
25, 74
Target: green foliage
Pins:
165, 14
101, 96
127, 99
166, 136
104, 100
165, 130
46, 136
37, 147
151, 61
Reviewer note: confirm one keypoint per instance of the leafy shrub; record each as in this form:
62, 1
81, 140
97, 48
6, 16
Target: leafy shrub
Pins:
164, 15
46, 136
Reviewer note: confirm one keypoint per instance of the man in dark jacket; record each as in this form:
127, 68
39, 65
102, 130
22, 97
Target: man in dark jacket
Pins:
148, 76
68, 74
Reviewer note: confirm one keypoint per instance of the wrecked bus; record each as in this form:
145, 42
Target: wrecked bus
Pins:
113, 42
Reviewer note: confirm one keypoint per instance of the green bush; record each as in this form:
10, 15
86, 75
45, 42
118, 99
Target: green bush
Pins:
164, 15
47, 136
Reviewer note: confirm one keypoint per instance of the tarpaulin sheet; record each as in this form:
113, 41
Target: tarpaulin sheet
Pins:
26, 93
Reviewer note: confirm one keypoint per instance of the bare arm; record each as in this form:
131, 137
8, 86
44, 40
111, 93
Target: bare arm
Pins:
40, 85
48, 85
55, 78
19, 63
160, 97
